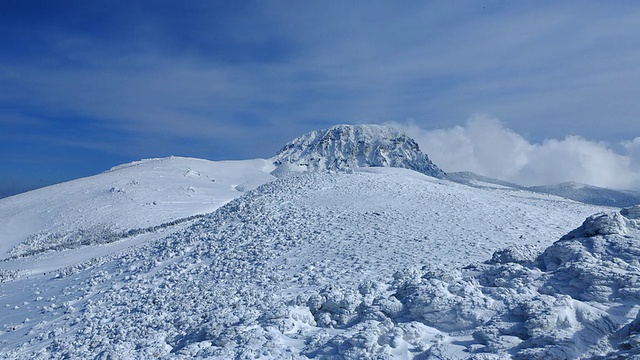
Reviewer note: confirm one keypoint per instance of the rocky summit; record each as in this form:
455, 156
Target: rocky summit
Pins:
347, 147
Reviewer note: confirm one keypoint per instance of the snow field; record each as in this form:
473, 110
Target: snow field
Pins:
361, 265
128, 200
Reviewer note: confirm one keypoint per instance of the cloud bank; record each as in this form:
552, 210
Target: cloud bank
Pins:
486, 147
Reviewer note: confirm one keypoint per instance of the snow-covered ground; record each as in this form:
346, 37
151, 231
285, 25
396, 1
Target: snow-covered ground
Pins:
300, 267
187, 258
148, 196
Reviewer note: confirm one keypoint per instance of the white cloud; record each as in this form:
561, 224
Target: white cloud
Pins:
485, 146
633, 148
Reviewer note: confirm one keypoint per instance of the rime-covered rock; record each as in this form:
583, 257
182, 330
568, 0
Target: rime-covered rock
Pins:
599, 261
346, 147
573, 302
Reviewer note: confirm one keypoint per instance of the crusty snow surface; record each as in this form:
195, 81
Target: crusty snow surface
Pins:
378, 263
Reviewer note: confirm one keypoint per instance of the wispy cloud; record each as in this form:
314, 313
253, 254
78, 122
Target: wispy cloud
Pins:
485, 146
208, 68
247, 76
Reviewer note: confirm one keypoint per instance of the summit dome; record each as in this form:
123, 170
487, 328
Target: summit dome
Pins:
345, 147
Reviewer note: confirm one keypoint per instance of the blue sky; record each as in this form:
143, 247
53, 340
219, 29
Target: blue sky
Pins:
86, 85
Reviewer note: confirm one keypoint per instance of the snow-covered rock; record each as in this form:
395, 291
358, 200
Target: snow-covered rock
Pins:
631, 213
347, 147
579, 300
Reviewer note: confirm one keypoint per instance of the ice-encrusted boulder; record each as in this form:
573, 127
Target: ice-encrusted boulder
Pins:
346, 147
631, 213
600, 260
576, 300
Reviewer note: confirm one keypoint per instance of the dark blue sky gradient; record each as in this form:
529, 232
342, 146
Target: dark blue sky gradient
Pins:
86, 85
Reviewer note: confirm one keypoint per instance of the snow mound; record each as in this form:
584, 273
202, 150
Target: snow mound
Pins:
138, 198
576, 300
346, 147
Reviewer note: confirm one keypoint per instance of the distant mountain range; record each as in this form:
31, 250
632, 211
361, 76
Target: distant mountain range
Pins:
584, 193
348, 147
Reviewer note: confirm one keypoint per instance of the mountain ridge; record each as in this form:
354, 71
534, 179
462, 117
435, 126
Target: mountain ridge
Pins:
572, 190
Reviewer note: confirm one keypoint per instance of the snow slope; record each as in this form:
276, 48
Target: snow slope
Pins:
128, 200
473, 179
306, 266
348, 258
346, 147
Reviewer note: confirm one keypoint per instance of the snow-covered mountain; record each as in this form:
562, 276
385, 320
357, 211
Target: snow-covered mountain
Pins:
590, 194
153, 196
373, 262
346, 147
587, 194
244, 280
473, 179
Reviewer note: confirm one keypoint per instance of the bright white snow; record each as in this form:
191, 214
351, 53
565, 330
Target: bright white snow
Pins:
141, 197
305, 266
186, 258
